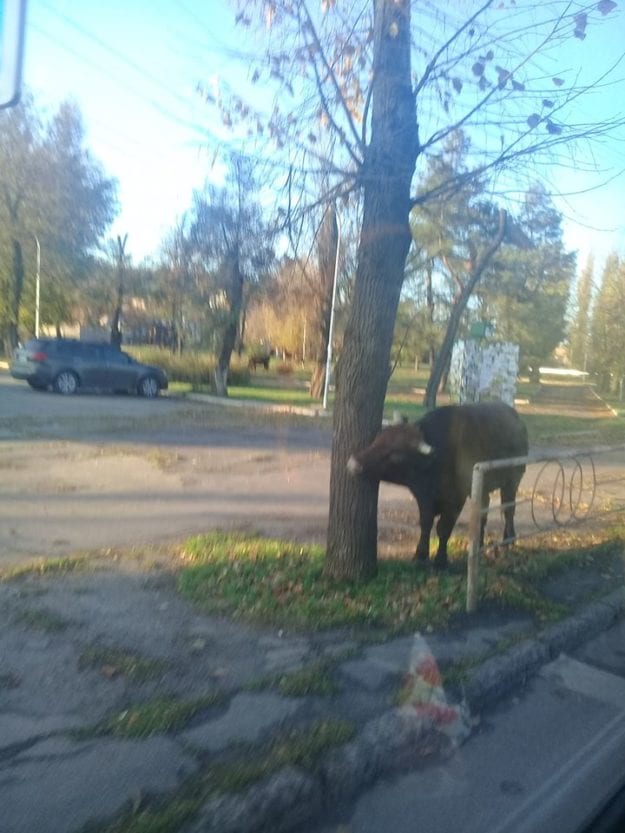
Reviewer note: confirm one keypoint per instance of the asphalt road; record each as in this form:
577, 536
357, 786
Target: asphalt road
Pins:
100, 471
96, 471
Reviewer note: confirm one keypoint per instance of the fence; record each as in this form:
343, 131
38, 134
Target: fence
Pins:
557, 491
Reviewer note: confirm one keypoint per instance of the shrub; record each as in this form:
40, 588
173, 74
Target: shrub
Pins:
194, 368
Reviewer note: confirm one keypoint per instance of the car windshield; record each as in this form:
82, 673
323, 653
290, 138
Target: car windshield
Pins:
312, 436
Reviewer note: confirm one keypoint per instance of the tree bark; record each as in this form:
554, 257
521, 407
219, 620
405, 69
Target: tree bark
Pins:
328, 241
362, 372
444, 354
116, 329
15, 297
235, 280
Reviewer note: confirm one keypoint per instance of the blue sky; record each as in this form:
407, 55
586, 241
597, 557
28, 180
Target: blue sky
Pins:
133, 67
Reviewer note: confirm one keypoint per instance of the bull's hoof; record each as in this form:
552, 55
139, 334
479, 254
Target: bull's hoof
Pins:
440, 563
421, 560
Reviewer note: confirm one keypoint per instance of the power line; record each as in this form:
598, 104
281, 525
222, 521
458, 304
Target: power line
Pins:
146, 99
141, 70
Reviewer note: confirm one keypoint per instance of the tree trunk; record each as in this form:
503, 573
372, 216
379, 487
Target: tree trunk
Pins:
362, 372
429, 299
235, 280
116, 328
15, 298
444, 354
328, 241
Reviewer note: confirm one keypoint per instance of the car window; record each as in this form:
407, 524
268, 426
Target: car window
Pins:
116, 357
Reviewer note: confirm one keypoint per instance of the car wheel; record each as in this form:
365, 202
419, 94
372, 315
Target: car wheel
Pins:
66, 382
148, 387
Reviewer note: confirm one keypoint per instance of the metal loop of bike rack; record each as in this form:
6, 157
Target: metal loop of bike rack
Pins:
564, 496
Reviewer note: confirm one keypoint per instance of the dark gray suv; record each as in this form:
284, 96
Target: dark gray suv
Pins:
67, 365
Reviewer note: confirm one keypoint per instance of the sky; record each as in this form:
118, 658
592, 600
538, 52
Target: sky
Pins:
133, 66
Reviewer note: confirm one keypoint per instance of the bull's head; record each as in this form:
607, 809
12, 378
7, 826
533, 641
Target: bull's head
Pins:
394, 455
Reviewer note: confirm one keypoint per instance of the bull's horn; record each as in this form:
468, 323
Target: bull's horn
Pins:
353, 466
424, 448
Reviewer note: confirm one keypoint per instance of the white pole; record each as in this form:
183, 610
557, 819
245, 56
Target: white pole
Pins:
326, 385
37, 281
475, 527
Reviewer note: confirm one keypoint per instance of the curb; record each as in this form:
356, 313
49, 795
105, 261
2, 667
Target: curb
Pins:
398, 739
266, 407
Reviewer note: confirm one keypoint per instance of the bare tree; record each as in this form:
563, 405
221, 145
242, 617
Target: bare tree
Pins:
232, 243
327, 245
120, 257
351, 73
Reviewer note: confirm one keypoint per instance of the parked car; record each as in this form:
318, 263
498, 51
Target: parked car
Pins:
67, 365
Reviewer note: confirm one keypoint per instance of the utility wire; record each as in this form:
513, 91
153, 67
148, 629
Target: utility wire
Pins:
141, 70
146, 99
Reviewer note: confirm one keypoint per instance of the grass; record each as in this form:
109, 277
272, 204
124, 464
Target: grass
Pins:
274, 395
118, 661
313, 680
283, 584
43, 620
301, 748
156, 716
48, 567
279, 582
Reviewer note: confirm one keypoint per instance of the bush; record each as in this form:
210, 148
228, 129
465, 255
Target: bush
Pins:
194, 368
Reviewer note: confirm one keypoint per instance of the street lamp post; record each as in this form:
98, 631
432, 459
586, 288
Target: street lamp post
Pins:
326, 385
37, 281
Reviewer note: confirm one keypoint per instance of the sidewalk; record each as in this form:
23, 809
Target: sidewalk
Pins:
84, 653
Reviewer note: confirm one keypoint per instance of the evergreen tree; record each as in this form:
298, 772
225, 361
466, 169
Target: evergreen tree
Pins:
579, 333
527, 286
607, 337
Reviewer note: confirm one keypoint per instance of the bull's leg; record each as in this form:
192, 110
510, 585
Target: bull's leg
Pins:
484, 516
426, 519
444, 528
508, 496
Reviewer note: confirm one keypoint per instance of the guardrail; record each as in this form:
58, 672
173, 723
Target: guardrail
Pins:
560, 491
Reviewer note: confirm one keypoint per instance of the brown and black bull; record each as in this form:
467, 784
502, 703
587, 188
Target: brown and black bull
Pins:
434, 458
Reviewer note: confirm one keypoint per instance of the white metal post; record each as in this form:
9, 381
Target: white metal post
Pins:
326, 385
475, 526
37, 281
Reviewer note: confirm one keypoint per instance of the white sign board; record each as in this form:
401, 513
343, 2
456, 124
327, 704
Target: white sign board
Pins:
481, 371
12, 16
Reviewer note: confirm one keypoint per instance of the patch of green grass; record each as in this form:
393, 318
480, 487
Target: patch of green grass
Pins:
42, 620
275, 396
553, 428
314, 680
283, 583
299, 747
119, 661
156, 716
169, 818
517, 580
407, 406
48, 567
248, 765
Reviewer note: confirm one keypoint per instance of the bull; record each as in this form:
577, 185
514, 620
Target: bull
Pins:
434, 459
